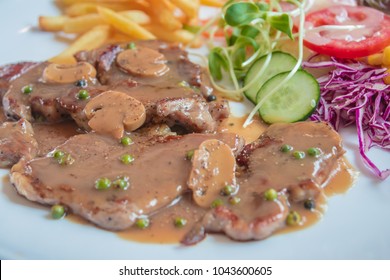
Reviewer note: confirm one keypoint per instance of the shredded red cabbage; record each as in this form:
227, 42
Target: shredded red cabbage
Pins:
354, 93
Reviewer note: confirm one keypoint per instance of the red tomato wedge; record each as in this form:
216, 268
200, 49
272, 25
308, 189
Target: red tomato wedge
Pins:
372, 36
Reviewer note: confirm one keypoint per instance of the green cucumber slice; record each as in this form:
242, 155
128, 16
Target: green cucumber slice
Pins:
294, 101
280, 62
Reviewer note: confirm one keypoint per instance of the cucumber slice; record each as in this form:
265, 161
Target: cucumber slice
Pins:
294, 101
280, 62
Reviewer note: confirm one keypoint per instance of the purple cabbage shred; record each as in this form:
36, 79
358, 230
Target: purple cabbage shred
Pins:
354, 93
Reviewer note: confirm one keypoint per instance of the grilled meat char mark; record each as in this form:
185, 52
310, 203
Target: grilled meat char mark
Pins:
161, 160
265, 166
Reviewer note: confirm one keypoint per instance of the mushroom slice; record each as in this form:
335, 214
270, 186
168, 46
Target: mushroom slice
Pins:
68, 73
113, 112
143, 62
213, 168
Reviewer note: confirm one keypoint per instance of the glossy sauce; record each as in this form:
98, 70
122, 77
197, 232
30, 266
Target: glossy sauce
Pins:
341, 181
234, 124
162, 229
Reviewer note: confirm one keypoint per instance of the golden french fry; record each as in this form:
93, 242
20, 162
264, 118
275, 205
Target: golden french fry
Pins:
213, 3
80, 9
55, 23
180, 36
137, 16
117, 37
71, 2
189, 7
82, 24
124, 24
88, 41
162, 12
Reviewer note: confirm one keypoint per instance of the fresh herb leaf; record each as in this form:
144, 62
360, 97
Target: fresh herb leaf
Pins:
241, 13
217, 62
282, 23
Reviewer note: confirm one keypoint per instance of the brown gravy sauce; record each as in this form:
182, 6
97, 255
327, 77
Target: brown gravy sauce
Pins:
163, 231
341, 181
234, 124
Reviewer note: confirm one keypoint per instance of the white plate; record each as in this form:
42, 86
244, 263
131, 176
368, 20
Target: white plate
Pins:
356, 225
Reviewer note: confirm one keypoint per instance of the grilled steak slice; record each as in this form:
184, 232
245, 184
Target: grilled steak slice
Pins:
265, 166
183, 80
163, 158
43, 101
181, 88
181, 68
49, 136
10, 72
16, 142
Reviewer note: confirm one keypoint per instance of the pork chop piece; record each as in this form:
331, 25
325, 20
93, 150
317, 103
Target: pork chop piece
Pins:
16, 142
41, 100
183, 83
10, 72
181, 69
265, 166
156, 176
51, 135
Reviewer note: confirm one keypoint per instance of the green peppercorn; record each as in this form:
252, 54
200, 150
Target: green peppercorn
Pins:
180, 222
216, 203
58, 154
271, 195
190, 154
57, 211
27, 89
314, 152
299, 154
142, 223
227, 190
102, 184
309, 204
286, 148
66, 159
234, 200
293, 218
121, 183
126, 141
127, 159
83, 94
131, 46
183, 84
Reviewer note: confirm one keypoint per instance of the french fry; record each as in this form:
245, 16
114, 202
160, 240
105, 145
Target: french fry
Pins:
55, 23
124, 25
71, 2
163, 14
137, 16
117, 37
213, 3
181, 35
82, 24
189, 7
126, 20
80, 9
88, 41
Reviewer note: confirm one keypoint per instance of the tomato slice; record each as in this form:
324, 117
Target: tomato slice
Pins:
372, 37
